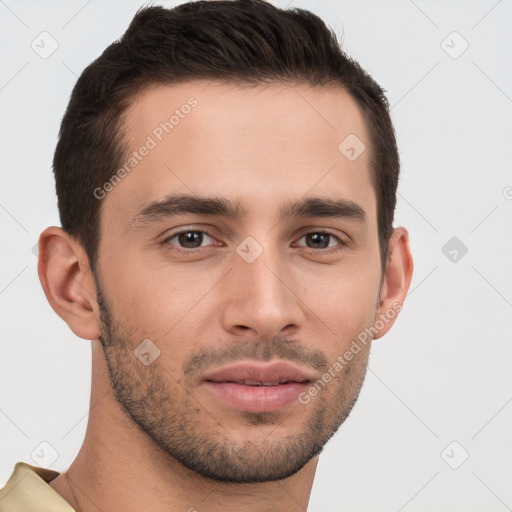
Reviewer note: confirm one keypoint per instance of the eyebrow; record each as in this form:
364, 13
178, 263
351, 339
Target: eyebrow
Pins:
221, 207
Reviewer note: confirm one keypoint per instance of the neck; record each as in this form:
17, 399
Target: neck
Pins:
119, 467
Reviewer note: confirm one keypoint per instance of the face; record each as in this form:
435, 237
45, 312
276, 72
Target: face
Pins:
238, 262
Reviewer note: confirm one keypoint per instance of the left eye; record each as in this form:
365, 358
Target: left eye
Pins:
189, 239
320, 240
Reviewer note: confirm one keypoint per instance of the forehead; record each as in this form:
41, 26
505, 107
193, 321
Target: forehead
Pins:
258, 144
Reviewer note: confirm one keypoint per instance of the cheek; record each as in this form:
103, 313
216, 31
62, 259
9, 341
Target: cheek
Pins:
167, 305
343, 304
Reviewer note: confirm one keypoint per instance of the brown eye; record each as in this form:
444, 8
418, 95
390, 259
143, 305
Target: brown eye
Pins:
189, 239
320, 240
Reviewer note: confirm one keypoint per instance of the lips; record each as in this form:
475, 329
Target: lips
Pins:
267, 373
257, 387
258, 383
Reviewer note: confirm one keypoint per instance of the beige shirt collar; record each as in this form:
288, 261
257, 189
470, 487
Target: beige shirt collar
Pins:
27, 490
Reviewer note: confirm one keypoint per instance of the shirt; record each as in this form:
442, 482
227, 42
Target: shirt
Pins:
27, 490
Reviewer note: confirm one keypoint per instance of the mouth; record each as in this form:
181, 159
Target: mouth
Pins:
258, 383
257, 387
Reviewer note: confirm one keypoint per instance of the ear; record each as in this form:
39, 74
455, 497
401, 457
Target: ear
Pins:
396, 281
67, 281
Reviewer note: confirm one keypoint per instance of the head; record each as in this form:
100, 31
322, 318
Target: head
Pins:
211, 216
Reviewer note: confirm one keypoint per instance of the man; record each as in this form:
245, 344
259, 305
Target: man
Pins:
226, 180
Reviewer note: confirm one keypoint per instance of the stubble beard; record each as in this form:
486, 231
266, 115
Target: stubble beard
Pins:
175, 421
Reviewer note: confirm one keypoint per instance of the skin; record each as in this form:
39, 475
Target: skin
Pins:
265, 147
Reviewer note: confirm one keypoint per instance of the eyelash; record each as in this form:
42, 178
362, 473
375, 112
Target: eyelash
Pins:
340, 246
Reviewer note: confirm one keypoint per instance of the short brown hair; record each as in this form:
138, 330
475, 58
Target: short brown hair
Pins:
240, 41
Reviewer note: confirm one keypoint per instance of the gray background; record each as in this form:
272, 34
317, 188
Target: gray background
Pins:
439, 384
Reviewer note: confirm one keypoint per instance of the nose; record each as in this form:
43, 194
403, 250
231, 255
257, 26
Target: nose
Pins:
261, 299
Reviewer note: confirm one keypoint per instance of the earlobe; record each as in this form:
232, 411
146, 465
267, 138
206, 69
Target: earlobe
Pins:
67, 281
396, 282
